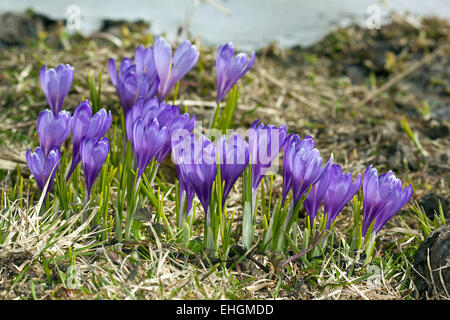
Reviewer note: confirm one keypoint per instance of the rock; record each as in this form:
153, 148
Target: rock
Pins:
435, 130
430, 203
16, 29
437, 247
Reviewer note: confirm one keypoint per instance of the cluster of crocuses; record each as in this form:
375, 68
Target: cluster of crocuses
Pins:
303, 173
155, 129
54, 126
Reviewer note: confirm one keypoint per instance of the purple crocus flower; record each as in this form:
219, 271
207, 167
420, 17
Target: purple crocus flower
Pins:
265, 142
171, 118
230, 69
171, 70
142, 109
186, 191
167, 115
52, 129
340, 191
94, 152
86, 126
383, 196
316, 195
134, 80
234, 158
43, 168
56, 84
302, 166
147, 138
198, 166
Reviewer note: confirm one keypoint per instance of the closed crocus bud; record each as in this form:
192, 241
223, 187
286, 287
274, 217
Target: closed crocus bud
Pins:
52, 129
147, 139
383, 197
199, 166
340, 191
94, 152
302, 166
43, 168
171, 70
265, 143
230, 69
234, 158
56, 84
85, 126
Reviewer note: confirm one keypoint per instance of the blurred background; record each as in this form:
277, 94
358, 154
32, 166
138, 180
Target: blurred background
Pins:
250, 24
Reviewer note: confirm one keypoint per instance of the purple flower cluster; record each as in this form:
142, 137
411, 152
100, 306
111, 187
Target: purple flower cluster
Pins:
335, 190
84, 127
155, 128
303, 170
150, 125
154, 72
55, 125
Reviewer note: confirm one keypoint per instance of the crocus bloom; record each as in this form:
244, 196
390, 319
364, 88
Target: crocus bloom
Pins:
53, 130
86, 126
302, 166
134, 80
166, 114
340, 191
198, 166
265, 142
94, 152
234, 157
171, 118
383, 196
316, 195
56, 84
230, 69
43, 168
142, 109
171, 70
147, 139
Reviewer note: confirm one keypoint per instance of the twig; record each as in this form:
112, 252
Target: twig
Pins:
290, 91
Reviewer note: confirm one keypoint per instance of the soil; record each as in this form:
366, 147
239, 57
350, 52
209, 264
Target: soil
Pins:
434, 254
